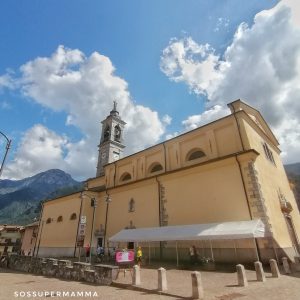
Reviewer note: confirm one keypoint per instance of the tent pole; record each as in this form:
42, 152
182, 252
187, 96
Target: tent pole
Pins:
211, 251
236, 258
176, 254
256, 251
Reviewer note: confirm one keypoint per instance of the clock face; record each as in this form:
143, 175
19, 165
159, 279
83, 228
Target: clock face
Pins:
103, 155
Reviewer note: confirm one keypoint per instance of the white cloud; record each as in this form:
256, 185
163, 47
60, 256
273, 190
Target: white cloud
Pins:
212, 114
261, 66
167, 119
85, 88
221, 24
197, 65
6, 81
172, 135
40, 149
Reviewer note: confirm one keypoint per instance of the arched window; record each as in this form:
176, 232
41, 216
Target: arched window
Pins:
156, 167
126, 176
73, 216
48, 221
195, 154
131, 206
60, 219
106, 133
117, 133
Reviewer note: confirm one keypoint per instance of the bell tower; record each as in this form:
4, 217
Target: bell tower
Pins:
111, 141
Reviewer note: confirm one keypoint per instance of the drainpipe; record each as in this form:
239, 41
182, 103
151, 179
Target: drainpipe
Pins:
165, 156
159, 216
115, 174
238, 126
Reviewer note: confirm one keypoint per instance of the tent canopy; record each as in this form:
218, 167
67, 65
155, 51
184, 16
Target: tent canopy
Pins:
211, 231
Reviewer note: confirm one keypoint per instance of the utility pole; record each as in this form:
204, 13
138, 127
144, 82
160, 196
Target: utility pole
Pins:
8, 143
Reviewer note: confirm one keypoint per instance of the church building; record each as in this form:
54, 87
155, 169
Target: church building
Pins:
229, 170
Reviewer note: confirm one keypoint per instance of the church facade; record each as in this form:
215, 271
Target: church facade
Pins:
227, 170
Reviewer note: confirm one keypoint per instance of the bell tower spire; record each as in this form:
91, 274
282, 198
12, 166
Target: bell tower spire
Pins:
111, 142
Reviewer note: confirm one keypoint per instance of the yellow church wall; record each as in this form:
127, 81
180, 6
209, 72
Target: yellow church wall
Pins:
87, 212
60, 235
215, 140
227, 139
272, 178
205, 194
96, 182
145, 214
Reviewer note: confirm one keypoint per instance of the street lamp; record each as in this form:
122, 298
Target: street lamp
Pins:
94, 205
8, 142
107, 200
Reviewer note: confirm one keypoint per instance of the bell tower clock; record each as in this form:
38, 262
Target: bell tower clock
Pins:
111, 142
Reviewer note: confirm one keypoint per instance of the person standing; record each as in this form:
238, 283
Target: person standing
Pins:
139, 255
193, 255
87, 252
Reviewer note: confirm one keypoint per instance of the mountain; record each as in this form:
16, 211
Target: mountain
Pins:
293, 173
20, 200
293, 169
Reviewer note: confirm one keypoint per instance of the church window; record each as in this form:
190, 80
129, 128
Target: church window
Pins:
60, 219
156, 167
48, 221
73, 216
268, 153
131, 207
117, 133
126, 176
195, 154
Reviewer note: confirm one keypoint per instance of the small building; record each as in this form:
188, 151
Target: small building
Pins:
229, 170
29, 236
10, 238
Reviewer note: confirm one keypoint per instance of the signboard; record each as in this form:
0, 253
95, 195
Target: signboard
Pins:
80, 241
81, 229
125, 257
83, 220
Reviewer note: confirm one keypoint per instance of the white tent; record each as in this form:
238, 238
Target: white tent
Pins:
211, 231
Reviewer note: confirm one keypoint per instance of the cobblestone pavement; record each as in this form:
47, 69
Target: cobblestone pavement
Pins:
217, 286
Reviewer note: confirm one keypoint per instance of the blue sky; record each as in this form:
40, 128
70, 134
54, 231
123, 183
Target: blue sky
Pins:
136, 44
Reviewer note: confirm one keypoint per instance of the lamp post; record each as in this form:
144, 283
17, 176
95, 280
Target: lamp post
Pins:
8, 143
107, 200
94, 205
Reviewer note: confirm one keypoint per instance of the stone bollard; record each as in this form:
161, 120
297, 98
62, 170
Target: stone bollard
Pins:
286, 266
260, 274
242, 279
136, 278
274, 268
197, 288
162, 280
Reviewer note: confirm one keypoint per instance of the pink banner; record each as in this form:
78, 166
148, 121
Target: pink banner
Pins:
124, 256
